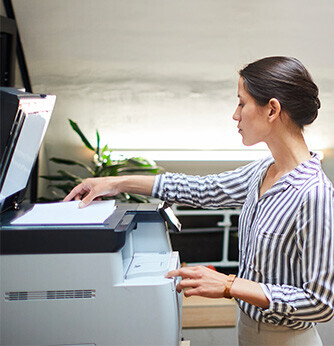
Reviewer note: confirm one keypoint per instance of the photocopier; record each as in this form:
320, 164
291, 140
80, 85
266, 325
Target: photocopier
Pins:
79, 284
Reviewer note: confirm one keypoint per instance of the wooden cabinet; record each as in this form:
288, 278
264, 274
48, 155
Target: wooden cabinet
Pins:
205, 312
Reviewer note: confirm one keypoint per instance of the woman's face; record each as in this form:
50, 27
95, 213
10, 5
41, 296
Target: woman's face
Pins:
251, 117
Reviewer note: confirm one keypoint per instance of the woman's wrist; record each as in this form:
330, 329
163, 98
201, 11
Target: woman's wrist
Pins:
250, 292
229, 282
140, 184
120, 184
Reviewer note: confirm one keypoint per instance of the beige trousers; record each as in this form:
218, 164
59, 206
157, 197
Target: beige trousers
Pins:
254, 333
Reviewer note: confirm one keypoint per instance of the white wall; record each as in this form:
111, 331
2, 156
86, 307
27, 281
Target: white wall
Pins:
162, 74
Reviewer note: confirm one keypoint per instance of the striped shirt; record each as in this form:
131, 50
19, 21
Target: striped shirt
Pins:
286, 237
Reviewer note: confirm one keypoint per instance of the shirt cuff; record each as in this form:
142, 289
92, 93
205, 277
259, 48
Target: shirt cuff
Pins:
277, 309
266, 292
157, 186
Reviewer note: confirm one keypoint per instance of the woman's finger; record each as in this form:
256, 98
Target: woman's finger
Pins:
79, 190
186, 272
191, 292
186, 284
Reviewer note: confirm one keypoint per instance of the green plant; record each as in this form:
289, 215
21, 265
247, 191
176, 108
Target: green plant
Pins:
104, 164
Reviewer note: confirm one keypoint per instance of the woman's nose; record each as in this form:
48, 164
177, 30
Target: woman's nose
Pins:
236, 115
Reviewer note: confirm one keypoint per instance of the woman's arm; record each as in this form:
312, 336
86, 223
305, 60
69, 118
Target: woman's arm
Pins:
227, 189
93, 188
205, 282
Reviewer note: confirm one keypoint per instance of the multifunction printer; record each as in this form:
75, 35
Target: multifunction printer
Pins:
94, 283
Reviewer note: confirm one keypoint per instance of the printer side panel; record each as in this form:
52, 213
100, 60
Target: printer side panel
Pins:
54, 299
118, 298
147, 257
158, 308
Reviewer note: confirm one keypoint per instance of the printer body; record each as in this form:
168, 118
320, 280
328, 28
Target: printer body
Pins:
88, 284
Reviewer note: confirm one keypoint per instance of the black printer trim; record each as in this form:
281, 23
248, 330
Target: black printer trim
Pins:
109, 236
51, 241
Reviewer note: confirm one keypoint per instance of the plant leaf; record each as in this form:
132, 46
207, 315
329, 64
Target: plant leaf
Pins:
105, 148
71, 163
138, 198
109, 170
104, 164
125, 195
53, 177
64, 187
97, 144
141, 170
76, 128
70, 176
140, 161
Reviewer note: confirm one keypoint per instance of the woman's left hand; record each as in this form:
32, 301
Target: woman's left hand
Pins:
200, 281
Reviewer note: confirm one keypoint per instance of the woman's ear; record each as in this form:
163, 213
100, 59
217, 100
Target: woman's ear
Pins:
274, 109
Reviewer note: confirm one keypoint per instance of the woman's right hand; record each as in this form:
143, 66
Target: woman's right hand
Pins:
94, 188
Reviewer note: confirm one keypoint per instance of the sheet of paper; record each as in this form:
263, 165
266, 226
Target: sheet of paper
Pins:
67, 213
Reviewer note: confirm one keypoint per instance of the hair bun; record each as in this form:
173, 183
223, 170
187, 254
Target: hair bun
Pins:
287, 80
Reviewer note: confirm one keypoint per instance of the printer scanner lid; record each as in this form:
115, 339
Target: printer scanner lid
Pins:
24, 121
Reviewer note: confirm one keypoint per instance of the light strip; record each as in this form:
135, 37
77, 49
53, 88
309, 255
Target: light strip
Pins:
198, 155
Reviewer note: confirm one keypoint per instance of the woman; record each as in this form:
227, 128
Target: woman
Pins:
285, 282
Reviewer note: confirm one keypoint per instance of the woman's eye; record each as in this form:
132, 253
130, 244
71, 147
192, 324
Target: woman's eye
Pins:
240, 105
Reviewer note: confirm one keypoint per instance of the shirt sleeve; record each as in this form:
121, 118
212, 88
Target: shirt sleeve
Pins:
266, 291
228, 189
314, 301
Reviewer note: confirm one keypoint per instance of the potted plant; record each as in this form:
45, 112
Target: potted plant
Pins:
104, 163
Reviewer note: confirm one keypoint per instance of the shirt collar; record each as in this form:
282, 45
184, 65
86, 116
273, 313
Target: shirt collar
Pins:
296, 178
304, 171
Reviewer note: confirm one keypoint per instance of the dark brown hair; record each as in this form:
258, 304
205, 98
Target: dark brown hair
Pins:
287, 80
